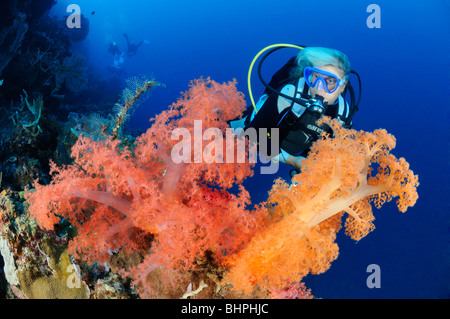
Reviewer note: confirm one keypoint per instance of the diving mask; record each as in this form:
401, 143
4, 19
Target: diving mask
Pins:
321, 79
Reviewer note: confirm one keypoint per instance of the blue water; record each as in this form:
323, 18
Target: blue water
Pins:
404, 66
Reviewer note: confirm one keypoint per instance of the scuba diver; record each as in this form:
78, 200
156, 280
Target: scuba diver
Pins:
117, 54
132, 48
309, 85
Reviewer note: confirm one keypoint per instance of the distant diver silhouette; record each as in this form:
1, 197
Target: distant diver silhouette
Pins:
117, 54
132, 48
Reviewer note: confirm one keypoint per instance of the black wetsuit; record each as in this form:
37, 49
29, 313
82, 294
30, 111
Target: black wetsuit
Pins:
132, 48
297, 137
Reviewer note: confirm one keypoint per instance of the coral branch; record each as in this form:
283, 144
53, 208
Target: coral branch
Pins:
129, 101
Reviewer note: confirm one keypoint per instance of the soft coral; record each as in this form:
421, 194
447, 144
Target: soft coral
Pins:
338, 177
109, 190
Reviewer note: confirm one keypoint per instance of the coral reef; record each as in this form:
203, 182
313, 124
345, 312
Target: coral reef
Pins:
38, 265
188, 229
27, 142
70, 73
36, 262
37, 55
31, 126
35, 49
11, 39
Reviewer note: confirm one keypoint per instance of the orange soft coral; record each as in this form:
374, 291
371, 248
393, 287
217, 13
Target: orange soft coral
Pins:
338, 177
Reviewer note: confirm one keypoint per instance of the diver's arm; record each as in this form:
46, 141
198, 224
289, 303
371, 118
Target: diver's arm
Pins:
296, 162
126, 37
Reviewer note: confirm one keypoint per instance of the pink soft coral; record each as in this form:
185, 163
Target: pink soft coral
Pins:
110, 191
293, 291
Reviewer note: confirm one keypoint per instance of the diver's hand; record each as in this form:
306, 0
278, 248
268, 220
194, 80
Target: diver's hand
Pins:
296, 162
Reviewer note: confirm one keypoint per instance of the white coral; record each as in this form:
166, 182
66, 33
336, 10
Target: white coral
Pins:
8, 258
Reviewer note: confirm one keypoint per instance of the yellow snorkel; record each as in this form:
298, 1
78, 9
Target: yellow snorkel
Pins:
276, 46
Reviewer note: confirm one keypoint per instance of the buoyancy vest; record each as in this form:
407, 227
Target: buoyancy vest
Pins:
295, 136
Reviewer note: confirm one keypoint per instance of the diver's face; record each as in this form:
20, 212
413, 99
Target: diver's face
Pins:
330, 98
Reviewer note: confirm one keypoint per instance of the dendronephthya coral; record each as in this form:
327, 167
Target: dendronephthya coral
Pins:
186, 224
343, 174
